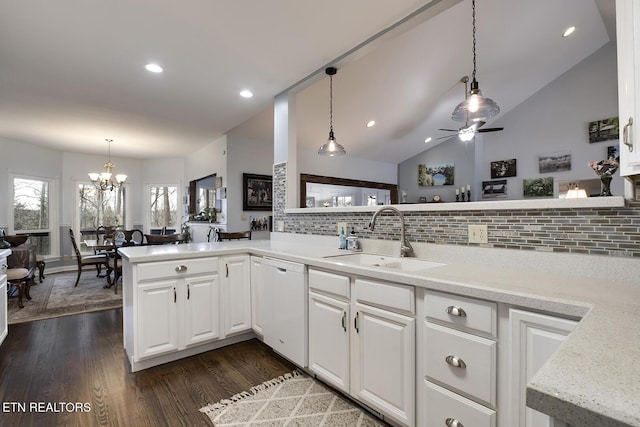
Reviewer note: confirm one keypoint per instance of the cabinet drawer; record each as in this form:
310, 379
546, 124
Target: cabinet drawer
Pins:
475, 356
464, 313
398, 297
329, 283
178, 268
443, 404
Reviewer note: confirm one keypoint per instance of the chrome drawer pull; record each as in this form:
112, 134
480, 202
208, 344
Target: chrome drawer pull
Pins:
626, 134
452, 422
456, 311
455, 361
181, 268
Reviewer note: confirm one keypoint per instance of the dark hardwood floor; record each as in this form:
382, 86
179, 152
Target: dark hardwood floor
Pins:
51, 366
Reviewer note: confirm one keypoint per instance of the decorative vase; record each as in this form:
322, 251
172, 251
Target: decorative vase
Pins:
605, 185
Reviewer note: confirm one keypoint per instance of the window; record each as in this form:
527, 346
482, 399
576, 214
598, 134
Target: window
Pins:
163, 207
342, 201
33, 212
96, 208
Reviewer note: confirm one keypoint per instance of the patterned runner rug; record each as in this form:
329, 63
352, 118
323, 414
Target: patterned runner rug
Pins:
56, 296
291, 400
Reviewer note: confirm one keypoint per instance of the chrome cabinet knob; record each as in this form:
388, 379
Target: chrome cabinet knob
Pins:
452, 422
455, 361
456, 311
181, 268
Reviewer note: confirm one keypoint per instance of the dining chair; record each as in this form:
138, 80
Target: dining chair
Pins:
156, 239
123, 238
97, 260
213, 234
237, 235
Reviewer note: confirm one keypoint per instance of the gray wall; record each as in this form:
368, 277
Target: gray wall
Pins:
555, 118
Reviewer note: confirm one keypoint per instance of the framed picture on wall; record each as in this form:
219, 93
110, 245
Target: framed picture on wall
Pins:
604, 130
494, 189
257, 192
613, 151
537, 187
557, 161
503, 168
435, 174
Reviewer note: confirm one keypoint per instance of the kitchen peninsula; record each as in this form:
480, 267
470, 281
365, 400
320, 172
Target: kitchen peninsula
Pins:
589, 380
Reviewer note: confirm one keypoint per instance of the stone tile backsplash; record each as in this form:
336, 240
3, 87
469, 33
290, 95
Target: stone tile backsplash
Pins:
598, 231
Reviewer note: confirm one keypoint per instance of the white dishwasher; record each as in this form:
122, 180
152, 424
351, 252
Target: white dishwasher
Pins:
284, 309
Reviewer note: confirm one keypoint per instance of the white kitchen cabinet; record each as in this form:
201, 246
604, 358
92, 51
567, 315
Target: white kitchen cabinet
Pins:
534, 338
236, 293
383, 362
285, 313
628, 45
329, 331
257, 292
171, 309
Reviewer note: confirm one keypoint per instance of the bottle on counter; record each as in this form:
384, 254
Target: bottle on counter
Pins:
343, 239
352, 241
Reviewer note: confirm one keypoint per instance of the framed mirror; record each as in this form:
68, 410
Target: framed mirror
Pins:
203, 193
325, 191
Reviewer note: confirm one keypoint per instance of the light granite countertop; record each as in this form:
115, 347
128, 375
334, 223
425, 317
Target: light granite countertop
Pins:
592, 380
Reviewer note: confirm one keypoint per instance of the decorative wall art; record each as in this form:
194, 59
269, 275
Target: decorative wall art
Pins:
494, 189
613, 152
537, 187
558, 161
257, 192
503, 168
604, 130
435, 174
260, 223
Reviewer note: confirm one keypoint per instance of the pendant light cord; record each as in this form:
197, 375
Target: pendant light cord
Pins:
473, 15
331, 103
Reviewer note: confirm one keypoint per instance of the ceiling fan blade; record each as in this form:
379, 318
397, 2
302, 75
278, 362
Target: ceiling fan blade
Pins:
447, 136
449, 130
490, 130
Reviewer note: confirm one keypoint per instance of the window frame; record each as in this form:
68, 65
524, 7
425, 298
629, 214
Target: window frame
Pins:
147, 206
54, 226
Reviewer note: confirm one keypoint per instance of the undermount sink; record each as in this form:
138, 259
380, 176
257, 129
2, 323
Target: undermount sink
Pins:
383, 261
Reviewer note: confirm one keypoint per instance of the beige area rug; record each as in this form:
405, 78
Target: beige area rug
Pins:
291, 400
56, 296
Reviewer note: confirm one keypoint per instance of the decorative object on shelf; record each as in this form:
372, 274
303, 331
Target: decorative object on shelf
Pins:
605, 170
435, 174
104, 180
436, 199
613, 151
494, 189
468, 193
537, 187
257, 192
475, 107
604, 130
557, 161
575, 192
503, 168
331, 147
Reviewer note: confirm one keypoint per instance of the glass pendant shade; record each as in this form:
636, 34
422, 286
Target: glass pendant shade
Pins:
476, 107
103, 180
331, 147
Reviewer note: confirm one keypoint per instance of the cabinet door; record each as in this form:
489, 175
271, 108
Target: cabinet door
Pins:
202, 314
236, 281
329, 327
157, 319
3, 307
257, 292
628, 43
383, 362
534, 338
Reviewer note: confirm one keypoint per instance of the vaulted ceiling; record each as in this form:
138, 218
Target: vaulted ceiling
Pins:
72, 73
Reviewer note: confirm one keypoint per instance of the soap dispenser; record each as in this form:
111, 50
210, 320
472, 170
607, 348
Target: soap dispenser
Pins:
352, 241
343, 239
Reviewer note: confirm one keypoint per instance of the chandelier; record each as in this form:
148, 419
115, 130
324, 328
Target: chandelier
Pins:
104, 180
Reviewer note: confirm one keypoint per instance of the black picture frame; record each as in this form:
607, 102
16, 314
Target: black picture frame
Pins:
503, 168
257, 192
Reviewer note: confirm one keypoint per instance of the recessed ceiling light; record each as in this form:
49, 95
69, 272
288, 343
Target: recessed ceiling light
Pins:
154, 68
371, 123
428, 140
568, 31
246, 94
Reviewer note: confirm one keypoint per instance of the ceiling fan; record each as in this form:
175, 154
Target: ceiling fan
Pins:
468, 131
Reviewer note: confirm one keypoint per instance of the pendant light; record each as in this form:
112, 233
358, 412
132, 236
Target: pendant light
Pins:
331, 147
475, 107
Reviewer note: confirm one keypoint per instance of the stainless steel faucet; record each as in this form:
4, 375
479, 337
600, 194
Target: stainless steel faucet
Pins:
405, 247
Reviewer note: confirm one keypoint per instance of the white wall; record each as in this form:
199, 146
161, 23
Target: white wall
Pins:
309, 162
245, 156
555, 118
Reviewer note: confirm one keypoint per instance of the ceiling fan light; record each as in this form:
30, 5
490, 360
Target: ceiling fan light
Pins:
466, 135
